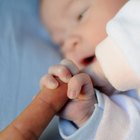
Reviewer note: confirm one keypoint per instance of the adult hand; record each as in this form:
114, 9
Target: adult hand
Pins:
33, 120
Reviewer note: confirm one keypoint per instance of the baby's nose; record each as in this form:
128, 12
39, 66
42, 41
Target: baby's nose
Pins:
78, 51
70, 45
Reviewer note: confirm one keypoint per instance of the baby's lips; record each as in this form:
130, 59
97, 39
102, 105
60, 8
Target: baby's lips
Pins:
87, 60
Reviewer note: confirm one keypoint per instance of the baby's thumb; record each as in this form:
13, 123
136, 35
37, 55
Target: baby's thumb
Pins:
71, 66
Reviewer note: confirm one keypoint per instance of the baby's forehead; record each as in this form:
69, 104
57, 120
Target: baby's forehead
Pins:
56, 9
58, 12
59, 5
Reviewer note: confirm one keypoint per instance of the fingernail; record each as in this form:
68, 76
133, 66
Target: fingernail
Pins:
72, 94
52, 84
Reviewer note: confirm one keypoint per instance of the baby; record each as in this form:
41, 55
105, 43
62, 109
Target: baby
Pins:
79, 28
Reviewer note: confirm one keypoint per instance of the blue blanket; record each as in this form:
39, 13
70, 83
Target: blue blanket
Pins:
26, 52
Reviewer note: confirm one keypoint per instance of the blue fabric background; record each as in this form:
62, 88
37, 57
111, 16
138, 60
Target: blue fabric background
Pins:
26, 52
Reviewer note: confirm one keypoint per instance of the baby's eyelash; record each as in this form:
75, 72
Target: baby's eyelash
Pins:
80, 16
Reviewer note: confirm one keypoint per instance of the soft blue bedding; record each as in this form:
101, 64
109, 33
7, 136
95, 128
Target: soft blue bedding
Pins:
26, 52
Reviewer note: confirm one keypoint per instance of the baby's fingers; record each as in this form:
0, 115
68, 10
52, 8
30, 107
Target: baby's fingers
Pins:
49, 82
60, 71
71, 66
80, 87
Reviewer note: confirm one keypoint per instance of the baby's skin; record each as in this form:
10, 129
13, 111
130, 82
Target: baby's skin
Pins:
80, 91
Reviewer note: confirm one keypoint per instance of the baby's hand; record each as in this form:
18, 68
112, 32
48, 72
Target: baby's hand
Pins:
80, 91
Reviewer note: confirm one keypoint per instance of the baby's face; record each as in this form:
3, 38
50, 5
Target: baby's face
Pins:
77, 26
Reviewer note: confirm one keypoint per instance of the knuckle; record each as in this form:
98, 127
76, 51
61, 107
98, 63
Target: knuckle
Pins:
75, 80
80, 79
62, 70
53, 68
85, 76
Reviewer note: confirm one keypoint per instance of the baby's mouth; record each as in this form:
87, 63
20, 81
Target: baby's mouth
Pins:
88, 60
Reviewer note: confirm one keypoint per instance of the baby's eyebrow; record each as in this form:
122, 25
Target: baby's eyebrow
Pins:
69, 3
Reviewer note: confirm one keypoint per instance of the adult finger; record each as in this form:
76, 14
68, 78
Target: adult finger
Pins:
33, 120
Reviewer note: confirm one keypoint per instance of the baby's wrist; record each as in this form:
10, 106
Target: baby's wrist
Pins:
81, 122
90, 109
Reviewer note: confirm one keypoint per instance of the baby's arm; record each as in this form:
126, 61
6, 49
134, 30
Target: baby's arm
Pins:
80, 91
83, 118
33, 120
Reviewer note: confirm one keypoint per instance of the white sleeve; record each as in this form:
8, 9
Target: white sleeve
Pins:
114, 118
119, 53
69, 131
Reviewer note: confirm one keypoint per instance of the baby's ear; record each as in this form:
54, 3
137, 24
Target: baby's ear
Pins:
71, 66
